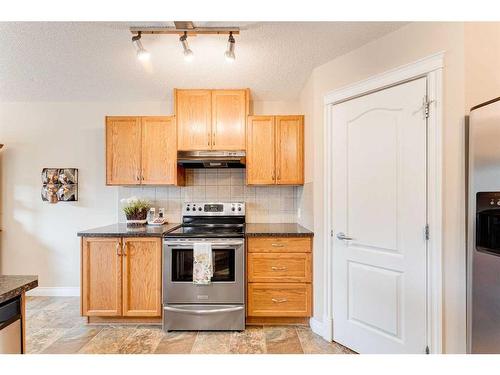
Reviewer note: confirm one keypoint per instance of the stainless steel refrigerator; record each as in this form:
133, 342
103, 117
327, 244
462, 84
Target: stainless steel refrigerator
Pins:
483, 235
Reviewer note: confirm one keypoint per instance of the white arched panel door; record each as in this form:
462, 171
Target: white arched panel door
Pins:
379, 218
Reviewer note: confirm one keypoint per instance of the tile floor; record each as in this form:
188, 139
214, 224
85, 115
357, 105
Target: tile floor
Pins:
54, 326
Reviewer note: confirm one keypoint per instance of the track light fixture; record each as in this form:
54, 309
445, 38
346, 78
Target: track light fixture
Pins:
188, 54
142, 54
182, 28
230, 56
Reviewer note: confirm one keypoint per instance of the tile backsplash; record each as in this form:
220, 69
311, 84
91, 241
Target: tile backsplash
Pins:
264, 204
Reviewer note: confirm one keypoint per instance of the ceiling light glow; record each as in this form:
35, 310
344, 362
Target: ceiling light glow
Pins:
188, 54
142, 53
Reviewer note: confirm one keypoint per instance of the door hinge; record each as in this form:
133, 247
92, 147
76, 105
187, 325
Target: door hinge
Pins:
426, 231
331, 233
427, 350
426, 105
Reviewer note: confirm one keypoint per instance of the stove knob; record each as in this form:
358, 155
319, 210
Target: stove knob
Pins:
188, 209
239, 208
199, 208
232, 209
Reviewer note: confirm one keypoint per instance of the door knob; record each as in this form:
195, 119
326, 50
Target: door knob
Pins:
342, 236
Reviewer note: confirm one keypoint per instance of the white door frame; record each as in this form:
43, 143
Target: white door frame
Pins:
432, 68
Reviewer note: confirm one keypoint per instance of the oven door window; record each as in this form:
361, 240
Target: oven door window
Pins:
488, 231
224, 265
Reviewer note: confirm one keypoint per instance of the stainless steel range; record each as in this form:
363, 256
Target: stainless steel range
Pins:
219, 305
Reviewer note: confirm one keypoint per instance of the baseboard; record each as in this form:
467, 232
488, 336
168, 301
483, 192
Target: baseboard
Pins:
324, 327
46, 291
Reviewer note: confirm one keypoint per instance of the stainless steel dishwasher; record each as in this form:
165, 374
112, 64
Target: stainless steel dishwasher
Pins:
11, 327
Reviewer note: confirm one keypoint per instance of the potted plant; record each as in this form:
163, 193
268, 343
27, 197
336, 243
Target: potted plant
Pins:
136, 211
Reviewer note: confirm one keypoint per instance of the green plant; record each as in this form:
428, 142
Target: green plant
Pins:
135, 208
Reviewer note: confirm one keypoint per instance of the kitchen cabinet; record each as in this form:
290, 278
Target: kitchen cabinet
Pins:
123, 150
142, 151
121, 277
275, 150
260, 153
101, 277
141, 265
279, 280
194, 119
211, 119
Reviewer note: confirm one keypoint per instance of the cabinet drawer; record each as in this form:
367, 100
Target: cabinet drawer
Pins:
279, 244
279, 267
273, 299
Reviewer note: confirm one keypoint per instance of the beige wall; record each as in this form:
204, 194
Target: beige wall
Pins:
403, 46
482, 62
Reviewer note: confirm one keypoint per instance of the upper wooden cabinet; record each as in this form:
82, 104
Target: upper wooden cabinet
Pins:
229, 114
211, 119
159, 151
142, 151
275, 150
289, 150
260, 154
194, 119
123, 150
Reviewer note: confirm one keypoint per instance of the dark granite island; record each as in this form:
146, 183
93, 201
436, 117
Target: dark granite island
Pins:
13, 298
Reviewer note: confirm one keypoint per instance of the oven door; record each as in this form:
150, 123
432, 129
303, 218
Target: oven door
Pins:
227, 284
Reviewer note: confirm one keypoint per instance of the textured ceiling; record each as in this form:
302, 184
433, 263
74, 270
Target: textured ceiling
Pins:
89, 61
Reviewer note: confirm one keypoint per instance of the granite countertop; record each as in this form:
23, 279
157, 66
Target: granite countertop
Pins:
120, 229
15, 285
277, 230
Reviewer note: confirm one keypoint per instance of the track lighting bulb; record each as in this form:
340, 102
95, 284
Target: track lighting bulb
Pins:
188, 54
230, 56
142, 53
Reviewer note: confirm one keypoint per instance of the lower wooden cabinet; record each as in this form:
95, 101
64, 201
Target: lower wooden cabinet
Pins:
121, 277
279, 276
283, 300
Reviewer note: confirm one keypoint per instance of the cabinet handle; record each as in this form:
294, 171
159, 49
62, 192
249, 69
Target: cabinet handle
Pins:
279, 300
209, 139
118, 249
274, 268
124, 249
138, 178
273, 176
277, 245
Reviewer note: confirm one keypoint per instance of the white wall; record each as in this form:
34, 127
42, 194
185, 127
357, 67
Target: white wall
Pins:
403, 46
40, 238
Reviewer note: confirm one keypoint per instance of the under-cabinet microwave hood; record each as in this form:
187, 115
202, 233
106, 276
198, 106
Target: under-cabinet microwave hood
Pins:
211, 159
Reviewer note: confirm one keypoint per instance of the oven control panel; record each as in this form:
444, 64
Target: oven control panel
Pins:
213, 209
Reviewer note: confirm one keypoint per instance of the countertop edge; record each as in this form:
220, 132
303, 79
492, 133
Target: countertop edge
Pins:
279, 234
18, 291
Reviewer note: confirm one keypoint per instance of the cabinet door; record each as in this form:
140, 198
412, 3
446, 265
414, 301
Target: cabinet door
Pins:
194, 114
260, 152
289, 150
141, 276
229, 113
159, 151
101, 277
123, 150
279, 300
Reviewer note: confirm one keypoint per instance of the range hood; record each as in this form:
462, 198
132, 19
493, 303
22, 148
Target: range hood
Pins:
211, 159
